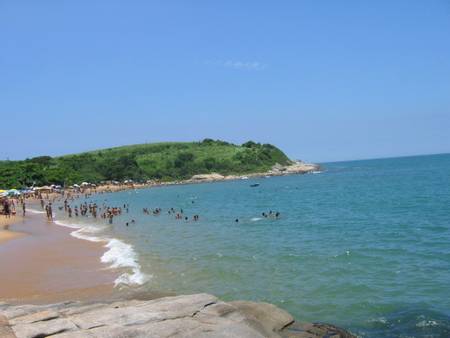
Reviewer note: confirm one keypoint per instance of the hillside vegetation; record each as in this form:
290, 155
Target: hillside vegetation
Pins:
159, 161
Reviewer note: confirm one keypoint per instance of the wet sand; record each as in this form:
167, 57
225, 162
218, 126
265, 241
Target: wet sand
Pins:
42, 263
5, 233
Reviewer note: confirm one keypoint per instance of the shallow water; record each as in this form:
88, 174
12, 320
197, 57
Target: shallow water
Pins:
364, 244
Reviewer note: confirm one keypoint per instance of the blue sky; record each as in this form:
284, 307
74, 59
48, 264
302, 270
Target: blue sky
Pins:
323, 80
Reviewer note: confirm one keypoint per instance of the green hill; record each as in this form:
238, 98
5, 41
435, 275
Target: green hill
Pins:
161, 161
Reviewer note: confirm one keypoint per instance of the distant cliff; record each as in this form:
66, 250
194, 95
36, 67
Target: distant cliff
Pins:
156, 161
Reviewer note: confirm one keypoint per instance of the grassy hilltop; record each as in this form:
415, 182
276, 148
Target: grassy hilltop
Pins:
162, 161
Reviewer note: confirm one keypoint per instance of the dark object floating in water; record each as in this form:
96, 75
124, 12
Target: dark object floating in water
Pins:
254, 185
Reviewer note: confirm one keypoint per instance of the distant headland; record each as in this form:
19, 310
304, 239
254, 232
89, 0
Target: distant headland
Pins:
168, 162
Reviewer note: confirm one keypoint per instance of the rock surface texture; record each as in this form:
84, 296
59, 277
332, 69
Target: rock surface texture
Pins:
199, 315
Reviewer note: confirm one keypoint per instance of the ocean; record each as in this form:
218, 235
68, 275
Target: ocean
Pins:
364, 244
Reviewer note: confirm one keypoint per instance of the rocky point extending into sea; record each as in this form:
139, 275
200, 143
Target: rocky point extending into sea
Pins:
198, 315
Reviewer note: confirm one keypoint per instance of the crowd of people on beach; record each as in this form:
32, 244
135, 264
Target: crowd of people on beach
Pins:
9, 206
70, 204
91, 209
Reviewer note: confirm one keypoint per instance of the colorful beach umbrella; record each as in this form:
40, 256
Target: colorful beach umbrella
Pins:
13, 192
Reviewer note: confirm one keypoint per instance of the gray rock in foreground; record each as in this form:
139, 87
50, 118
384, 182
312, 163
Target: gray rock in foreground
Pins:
199, 315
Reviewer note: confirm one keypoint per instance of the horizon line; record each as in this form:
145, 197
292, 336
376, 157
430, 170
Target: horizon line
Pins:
385, 158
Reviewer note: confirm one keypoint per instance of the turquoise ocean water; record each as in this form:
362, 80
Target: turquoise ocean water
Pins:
364, 245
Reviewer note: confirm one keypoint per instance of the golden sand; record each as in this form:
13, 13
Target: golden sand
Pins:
44, 263
5, 233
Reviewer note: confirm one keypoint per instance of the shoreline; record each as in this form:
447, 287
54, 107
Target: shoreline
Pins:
297, 168
62, 272
24, 232
43, 263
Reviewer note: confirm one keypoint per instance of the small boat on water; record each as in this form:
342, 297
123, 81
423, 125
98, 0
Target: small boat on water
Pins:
254, 185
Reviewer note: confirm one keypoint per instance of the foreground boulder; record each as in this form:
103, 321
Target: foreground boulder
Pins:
199, 315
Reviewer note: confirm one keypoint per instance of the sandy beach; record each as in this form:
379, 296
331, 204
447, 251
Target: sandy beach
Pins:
41, 262
5, 233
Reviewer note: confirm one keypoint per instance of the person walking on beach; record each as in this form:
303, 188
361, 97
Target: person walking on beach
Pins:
23, 208
6, 209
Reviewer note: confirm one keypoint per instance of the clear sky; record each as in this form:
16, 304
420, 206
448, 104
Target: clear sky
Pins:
323, 80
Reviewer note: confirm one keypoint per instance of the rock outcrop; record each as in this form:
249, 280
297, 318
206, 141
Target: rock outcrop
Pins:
199, 315
207, 177
297, 167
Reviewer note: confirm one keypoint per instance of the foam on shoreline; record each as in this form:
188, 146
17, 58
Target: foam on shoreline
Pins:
118, 255
35, 211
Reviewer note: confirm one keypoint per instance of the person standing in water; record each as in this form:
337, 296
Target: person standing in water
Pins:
50, 212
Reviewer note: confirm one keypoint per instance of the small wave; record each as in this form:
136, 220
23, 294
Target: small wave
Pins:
381, 320
35, 211
68, 225
80, 234
255, 219
427, 323
118, 255
123, 255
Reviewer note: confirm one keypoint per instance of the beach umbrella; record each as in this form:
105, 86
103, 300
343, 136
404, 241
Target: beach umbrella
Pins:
13, 192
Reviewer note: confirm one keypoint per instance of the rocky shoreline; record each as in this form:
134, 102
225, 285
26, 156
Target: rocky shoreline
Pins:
198, 315
297, 167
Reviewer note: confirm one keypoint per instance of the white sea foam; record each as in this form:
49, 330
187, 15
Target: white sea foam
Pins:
381, 320
427, 323
68, 225
255, 219
118, 255
121, 254
35, 211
